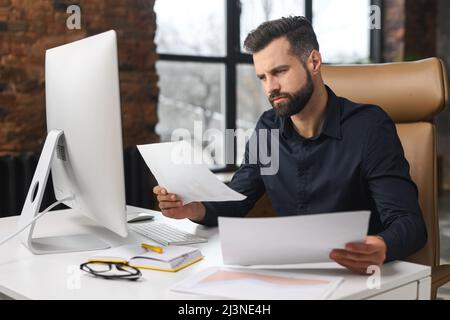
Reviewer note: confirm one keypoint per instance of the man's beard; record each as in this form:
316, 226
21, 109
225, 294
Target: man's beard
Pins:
296, 102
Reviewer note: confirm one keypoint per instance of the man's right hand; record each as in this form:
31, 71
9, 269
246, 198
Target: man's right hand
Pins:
172, 207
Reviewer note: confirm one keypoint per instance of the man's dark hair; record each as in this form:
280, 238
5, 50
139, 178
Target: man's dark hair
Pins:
298, 30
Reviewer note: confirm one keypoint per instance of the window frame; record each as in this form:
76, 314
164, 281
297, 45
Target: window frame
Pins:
234, 57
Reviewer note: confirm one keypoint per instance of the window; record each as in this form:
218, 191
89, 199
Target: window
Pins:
194, 27
207, 81
190, 92
191, 71
342, 31
255, 12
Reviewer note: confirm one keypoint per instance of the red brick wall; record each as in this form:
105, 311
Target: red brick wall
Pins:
421, 29
393, 30
409, 29
29, 27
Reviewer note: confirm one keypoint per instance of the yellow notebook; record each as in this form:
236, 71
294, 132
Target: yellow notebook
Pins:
172, 259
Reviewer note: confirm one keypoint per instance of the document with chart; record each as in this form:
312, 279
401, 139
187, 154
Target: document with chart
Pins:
173, 165
235, 283
289, 240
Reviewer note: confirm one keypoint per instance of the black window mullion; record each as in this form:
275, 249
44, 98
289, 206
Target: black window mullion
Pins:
233, 47
188, 58
244, 58
309, 10
376, 36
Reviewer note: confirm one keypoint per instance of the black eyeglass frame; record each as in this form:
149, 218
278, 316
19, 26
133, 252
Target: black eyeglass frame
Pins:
133, 276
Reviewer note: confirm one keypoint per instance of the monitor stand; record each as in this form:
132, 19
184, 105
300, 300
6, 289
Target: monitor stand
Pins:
48, 245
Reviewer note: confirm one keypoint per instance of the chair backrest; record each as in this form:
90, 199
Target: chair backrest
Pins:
412, 93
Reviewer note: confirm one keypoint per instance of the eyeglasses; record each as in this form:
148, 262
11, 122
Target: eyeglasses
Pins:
111, 270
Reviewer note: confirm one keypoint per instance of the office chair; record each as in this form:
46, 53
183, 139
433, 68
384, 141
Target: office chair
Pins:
412, 93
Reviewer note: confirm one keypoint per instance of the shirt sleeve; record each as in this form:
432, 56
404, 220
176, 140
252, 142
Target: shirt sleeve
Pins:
247, 180
395, 195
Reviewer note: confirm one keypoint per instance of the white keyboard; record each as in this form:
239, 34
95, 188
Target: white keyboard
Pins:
165, 234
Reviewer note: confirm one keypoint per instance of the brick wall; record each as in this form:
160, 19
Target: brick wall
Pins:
29, 27
421, 18
393, 30
409, 29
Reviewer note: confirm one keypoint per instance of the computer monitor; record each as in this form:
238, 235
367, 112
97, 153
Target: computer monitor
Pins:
84, 143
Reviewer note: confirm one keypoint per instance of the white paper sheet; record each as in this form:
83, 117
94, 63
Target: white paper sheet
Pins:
172, 165
289, 240
247, 284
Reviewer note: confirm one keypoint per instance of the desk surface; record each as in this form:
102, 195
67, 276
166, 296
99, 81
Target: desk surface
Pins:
26, 276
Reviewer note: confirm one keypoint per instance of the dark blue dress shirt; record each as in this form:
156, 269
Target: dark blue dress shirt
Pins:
355, 163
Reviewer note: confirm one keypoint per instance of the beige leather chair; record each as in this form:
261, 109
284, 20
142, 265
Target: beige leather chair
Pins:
412, 93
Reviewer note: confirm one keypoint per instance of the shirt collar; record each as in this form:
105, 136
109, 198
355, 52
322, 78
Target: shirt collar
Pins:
332, 123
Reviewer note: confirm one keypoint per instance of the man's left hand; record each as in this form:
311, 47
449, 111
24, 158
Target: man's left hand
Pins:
357, 257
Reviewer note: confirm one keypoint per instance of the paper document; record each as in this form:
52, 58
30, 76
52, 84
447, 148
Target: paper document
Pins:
289, 240
173, 168
234, 283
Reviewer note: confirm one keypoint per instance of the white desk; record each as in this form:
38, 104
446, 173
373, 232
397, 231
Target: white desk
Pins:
26, 276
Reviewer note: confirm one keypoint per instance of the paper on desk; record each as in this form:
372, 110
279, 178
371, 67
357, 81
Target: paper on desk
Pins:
289, 240
238, 283
173, 168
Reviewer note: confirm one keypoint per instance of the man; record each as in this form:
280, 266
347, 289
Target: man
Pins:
334, 154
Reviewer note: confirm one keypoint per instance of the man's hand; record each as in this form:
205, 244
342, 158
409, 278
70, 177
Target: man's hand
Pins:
357, 257
172, 207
